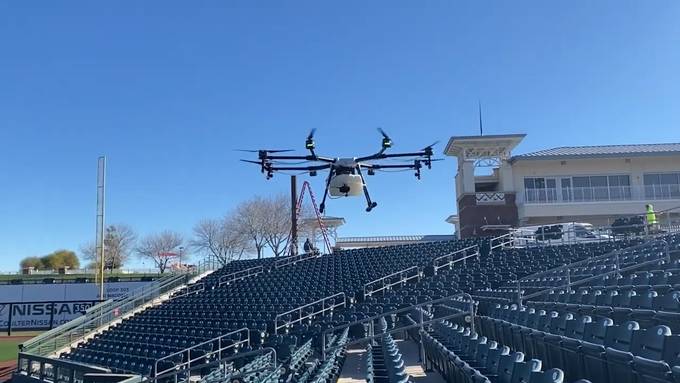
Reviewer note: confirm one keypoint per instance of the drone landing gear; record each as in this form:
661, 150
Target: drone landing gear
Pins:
371, 206
370, 203
322, 206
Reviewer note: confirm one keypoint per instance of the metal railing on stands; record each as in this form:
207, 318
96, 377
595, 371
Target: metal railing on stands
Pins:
501, 242
421, 323
328, 303
191, 289
615, 256
450, 259
295, 259
194, 356
249, 272
106, 312
386, 282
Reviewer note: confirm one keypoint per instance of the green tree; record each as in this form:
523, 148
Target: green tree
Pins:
61, 258
52, 261
35, 262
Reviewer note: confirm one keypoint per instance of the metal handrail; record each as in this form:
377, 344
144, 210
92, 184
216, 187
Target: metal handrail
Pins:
571, 284
451, 262
77, 329
325, 349
502, 241
194, 288
187, 351
309, 315
402, 279
295, 259
251, 271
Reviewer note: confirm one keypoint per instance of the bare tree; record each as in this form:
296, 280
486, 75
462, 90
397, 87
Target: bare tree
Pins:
119, 241
156, 248
222, 239
277, 225
251, 218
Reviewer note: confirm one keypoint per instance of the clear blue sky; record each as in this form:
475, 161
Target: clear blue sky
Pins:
167, 89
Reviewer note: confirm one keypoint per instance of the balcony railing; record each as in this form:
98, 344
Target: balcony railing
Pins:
600, 194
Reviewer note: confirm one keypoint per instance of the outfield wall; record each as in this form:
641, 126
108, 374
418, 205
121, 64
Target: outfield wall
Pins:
41, 306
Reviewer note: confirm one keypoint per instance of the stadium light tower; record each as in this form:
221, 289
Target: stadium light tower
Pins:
101, 195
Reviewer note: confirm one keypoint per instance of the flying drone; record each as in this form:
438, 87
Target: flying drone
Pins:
345, 175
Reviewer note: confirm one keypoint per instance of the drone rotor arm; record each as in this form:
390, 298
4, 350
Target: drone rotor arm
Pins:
392, 166
382, 156
301, 168
287, 158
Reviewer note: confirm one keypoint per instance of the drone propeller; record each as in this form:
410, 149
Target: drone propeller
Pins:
309, 143
429, 161
430, 146
264, 150
252, 162
387, 141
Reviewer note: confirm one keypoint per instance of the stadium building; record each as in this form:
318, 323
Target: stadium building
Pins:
496, 190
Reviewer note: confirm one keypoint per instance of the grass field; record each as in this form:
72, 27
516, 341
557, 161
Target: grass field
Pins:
9, 344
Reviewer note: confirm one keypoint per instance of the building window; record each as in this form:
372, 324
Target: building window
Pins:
619, 188
540, 189
601, 188
578, 189
662, 185
567, 194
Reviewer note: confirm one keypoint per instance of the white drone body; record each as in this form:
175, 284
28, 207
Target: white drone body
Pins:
346, 182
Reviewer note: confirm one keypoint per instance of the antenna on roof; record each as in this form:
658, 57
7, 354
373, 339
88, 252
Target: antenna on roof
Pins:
481, 130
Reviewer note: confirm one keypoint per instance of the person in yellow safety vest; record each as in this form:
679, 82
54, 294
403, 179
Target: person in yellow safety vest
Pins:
651, 216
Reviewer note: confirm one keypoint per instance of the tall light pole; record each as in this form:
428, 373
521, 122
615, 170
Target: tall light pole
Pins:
181, 250
101, 202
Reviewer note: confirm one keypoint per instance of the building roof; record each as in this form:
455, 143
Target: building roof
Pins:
328, 221
395, 238
482, 146
635, 150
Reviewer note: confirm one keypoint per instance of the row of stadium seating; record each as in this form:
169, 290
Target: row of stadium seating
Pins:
384, 362
189, 319
253, 302
462, 355
586, 348
603, 331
